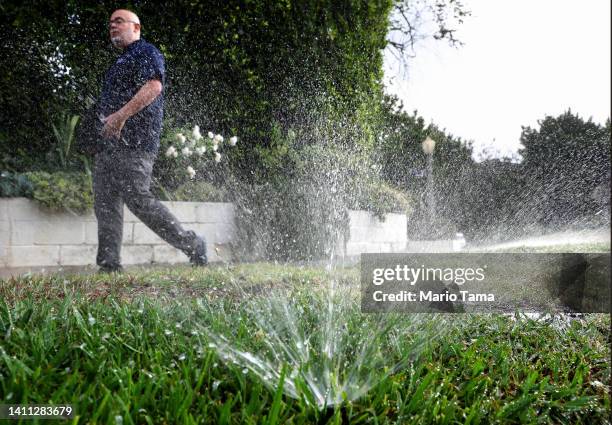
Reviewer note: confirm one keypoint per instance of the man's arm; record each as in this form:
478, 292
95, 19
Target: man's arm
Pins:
144, 97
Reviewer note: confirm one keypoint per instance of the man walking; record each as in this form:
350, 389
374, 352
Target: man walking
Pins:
131, 103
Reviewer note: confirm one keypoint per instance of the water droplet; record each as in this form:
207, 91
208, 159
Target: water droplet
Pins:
215, 385
245, 370
182, 357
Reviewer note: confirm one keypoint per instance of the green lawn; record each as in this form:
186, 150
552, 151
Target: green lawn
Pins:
562, 248
258, 343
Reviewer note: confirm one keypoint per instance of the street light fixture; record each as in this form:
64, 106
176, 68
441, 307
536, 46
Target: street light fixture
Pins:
428, 146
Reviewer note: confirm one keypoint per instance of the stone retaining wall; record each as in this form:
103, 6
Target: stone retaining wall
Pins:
32, 237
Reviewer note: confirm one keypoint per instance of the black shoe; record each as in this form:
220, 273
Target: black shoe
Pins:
110, 269
198, 257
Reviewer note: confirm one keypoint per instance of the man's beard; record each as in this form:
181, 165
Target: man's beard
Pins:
117, 41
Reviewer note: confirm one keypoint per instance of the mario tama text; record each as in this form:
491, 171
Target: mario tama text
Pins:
432, 296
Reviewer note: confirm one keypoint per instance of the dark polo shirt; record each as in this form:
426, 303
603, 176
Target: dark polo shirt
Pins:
140, 62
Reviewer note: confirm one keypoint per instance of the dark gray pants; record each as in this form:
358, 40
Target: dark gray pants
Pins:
126, 177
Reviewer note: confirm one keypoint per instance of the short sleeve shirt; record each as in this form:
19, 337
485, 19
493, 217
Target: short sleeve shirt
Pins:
139, 63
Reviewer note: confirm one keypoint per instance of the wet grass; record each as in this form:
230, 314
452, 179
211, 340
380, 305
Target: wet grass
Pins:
560, 248
133, 348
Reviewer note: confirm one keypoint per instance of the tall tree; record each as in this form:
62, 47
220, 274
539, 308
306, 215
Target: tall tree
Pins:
568, 162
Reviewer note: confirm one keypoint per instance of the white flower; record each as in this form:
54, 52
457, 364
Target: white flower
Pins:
181, 138
191, 172
233, 140
196, 132
186, 151
218, 138
200, 150
215, 147
211, 135
171, 152
217, 157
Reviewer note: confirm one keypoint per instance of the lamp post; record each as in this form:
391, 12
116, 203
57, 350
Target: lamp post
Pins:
428, 146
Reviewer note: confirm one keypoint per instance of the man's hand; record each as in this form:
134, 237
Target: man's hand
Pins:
115, 121
113, 124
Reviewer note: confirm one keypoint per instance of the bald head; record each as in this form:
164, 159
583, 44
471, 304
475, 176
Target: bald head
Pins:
124, 28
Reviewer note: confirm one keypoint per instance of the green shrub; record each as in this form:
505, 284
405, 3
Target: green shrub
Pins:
62, 191
287, 220
197, 191
64, 131
301, 212
379, 198
13, 185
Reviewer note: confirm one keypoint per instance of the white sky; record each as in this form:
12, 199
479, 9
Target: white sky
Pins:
522, 60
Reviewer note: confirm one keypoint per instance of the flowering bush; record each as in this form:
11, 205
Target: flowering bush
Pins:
186, 154
197, 145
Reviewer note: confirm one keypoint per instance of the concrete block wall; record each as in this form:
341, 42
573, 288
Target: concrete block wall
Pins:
371, 235
30, 236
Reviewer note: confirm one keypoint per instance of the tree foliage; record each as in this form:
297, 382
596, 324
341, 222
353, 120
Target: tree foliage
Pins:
407, 18
567, 160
